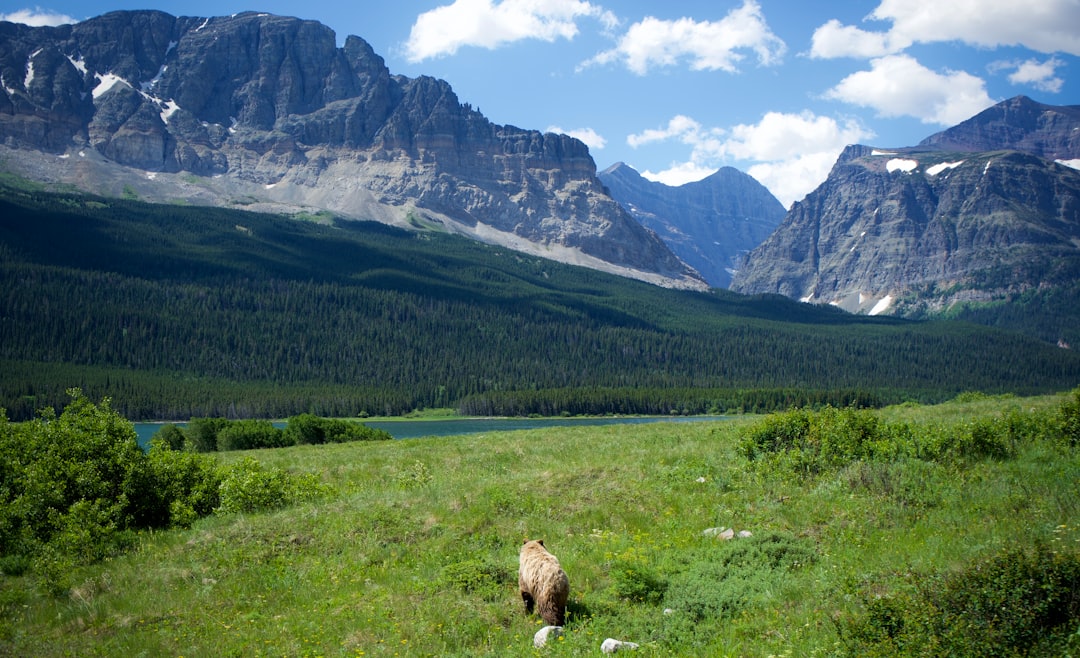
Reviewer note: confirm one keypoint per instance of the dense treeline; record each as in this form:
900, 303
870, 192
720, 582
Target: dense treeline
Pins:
656, 401
177, 312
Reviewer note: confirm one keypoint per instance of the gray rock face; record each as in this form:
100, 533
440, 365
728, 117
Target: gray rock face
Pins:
913, 230
1018, 124
710, 224
268, 110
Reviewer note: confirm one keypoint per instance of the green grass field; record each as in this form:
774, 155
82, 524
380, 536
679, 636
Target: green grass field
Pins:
414, 553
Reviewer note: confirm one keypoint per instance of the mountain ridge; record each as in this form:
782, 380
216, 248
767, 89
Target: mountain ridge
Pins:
710, 223
268, 113
925, 230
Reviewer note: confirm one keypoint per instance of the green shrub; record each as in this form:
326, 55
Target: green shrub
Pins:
171, 436
1019, 602
475, 576
637, 583
189, 481
248, 486
735, 574
250, 435
311, 429
202, 434
807, 443
76, 479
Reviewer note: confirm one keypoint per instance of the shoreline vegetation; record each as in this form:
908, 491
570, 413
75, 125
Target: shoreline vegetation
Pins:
949, 529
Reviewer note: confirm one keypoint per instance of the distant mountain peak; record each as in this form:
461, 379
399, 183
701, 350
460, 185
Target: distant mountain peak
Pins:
1020, 124
709, 223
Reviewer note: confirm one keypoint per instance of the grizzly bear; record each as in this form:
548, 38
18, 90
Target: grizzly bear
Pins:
543, 582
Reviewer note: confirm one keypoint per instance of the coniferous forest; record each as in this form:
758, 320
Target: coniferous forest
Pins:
175, 311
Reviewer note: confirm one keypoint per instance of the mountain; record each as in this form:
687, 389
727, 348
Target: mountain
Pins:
710, 223
983, 215
1018, 124
268, 113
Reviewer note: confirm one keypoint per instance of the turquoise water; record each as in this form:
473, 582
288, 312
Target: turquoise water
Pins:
415, 429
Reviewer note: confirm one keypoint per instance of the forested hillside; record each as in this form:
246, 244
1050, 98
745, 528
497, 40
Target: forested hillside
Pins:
178, 311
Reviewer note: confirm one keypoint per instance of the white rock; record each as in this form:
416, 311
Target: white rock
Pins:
546, 633
745, 533
611, 645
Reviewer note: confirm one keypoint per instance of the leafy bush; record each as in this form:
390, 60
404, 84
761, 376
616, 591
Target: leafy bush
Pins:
250, 435
475, 576
190, 482
75, 488
637, 583
311, 429
76, 479
202, 433
1020, 602
805, 442
248, 486
171, 436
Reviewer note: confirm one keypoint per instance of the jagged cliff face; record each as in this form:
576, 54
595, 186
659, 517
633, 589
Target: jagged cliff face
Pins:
710, 224
907, 231
268, 113
1018, 124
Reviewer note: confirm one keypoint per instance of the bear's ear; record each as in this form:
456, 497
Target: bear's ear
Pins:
524, 541
540, 541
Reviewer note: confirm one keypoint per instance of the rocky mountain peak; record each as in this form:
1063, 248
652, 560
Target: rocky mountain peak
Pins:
268, 112
1020, 124
977, 213
710, 223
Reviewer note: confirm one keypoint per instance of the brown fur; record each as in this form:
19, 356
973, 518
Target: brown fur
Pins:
543, 582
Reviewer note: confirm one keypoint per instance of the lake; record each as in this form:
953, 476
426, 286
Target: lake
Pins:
414, 429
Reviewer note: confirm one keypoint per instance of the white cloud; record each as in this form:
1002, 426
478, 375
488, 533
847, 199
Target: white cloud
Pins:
679, 174
836, 40
680, 127
1046, 26
37, 17
1040, 75
708, 45
791, 153
898, 85
490, 24
594, 140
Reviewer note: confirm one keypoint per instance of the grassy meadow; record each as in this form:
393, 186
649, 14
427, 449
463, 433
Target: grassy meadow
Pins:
413, 552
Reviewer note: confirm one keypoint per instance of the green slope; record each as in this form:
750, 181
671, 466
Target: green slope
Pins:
177, 311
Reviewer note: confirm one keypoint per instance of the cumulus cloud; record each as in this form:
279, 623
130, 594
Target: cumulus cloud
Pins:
791, 153
833, 39
706, 45
594, 140
1040, 75
898, 85
490, 24
1046, 26
37, 17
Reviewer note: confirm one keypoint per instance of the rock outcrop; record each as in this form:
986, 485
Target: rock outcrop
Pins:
915, 230
711, 224
268, 112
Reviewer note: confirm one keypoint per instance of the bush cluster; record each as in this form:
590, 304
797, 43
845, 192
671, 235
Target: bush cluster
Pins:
76, 488
805, 443
220, 434
1018, 602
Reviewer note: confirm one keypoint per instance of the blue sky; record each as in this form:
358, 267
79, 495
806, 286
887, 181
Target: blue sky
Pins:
677, 89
